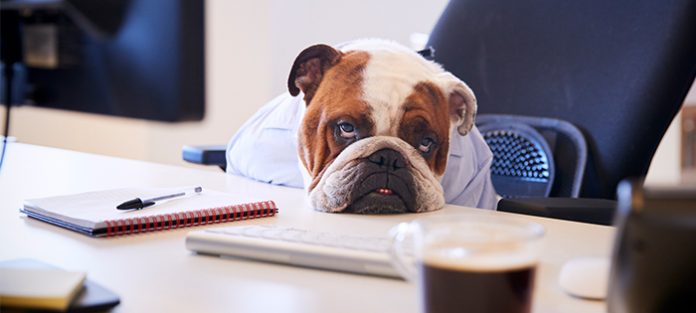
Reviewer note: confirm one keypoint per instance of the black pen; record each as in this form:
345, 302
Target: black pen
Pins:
139, 203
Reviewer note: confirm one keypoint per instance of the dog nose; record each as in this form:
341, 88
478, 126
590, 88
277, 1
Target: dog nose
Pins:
388, 159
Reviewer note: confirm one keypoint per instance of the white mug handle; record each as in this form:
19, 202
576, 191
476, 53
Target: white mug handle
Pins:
401, 251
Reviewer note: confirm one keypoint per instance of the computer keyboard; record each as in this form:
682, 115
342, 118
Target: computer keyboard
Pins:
297, 247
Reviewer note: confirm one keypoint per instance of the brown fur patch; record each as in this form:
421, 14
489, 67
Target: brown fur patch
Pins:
426, 113
338, 100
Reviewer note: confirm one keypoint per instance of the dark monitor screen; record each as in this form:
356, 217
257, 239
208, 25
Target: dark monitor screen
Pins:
132, 58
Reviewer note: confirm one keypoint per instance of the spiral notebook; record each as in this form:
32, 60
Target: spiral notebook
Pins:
95, 214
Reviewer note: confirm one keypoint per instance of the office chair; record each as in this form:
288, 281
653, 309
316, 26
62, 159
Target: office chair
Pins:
619, 70
537, 164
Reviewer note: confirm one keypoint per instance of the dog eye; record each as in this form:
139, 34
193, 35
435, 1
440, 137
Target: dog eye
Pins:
347, 130
426, 145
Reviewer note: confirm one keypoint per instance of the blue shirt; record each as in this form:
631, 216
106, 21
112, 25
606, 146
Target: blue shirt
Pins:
265, 149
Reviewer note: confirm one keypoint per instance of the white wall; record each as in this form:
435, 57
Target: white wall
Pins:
665, 168
298, 24
250, 46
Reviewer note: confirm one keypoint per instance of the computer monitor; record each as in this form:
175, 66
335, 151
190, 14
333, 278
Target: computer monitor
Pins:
132, 58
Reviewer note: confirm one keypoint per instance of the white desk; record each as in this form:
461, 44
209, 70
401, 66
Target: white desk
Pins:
155, 273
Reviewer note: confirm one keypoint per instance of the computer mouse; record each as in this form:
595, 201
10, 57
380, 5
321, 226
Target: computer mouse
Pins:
586, 278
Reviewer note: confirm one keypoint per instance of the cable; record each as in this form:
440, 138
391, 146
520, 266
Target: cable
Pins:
8, 73
10, 54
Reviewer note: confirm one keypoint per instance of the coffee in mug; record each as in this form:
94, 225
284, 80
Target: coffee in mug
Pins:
470, 263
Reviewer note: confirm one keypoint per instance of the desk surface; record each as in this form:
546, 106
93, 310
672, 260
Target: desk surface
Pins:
155, 273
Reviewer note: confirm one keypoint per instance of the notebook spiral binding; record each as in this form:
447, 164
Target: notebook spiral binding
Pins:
188, 219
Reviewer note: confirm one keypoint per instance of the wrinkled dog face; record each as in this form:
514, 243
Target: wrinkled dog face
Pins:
375, 134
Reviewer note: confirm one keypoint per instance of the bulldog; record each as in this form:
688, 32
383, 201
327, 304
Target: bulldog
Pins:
375, 135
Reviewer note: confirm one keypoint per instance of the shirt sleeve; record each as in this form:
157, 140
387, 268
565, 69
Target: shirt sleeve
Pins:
265, 147
467, 179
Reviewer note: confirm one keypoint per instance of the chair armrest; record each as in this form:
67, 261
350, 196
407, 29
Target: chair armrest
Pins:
596, 211
205, 155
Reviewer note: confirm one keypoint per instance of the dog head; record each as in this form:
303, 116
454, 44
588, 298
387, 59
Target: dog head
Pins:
375, 134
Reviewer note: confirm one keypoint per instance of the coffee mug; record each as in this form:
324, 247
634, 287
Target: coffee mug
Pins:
469, 262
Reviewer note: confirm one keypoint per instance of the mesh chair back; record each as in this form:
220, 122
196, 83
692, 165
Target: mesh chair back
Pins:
534, 157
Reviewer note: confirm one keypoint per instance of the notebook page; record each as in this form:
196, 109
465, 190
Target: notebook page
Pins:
91, 209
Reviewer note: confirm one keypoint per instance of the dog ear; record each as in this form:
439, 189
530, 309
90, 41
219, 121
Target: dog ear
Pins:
309, 68
462, 103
